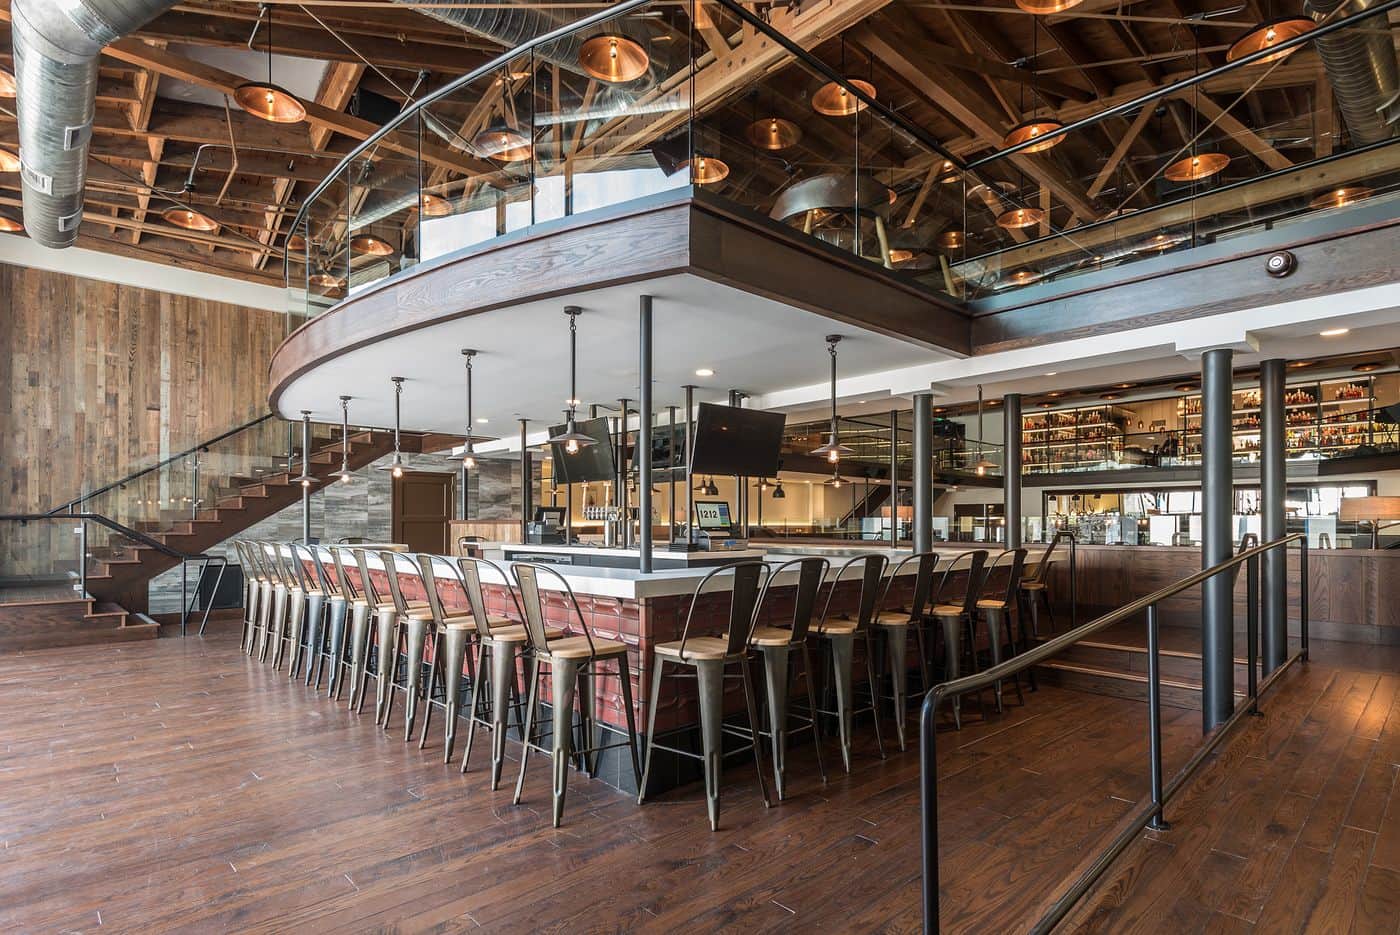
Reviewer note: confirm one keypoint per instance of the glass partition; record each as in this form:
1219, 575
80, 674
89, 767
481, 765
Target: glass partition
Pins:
649, 96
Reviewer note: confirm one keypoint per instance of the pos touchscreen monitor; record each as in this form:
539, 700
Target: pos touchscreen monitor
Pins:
712, 514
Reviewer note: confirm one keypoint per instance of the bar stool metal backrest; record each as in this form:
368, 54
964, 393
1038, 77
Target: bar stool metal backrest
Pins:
923, 582
531, 601
750, 581
346, 586
470, 569
366, 582
812, 572
396, 564
1011, 561
973, 562
872, 568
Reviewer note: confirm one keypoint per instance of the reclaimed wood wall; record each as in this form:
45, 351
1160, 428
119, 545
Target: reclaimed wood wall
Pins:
99, 379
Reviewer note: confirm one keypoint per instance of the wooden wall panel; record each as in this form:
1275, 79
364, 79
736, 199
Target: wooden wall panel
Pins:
97, 379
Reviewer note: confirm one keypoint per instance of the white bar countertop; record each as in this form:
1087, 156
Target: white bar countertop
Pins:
632, 584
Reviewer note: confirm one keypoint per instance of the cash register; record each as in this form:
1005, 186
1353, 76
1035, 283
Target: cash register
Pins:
714, 530
547, 528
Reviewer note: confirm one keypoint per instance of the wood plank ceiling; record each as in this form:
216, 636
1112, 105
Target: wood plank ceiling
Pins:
965, 72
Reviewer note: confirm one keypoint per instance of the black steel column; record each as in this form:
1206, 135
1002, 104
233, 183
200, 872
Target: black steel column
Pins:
644, 432
894, 478
1011, 469
923, 472
689, 449
1217, 502
305, 472
1273, 635
671, 463
527, 506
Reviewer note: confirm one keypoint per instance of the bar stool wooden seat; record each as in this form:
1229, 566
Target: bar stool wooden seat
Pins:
710, 657
839, 635
575, 663
956, 614
499, 640
775, 645
896, 623
995, 606
348, 658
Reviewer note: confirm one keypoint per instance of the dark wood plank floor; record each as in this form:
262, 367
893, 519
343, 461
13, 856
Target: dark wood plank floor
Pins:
176, 785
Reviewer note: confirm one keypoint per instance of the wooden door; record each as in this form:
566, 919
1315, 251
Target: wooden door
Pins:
421, 509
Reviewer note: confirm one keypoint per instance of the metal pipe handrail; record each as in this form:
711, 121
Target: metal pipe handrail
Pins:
1152, 814
202, 446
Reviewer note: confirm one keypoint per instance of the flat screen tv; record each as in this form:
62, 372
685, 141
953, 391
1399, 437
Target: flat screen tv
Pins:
592, 463
729, 440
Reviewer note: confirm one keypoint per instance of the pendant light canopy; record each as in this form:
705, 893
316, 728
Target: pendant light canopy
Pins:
467, 457
834, 100
613, 58
344, 475
707, 170
395, 465
1032, 129
1017, 218
189, 219
9, 162
573, 441
774, 133
833, 450
306, 479
1197, 167
1269, 34
265, 100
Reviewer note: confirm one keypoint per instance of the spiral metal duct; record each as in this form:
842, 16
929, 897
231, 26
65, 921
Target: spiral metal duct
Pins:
56, 51
1361, 66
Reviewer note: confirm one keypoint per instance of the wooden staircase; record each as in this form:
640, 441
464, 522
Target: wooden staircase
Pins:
54, 619
1114, 663
120, 573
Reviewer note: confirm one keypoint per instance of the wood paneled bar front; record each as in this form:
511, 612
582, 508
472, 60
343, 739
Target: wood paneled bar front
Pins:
1353, 594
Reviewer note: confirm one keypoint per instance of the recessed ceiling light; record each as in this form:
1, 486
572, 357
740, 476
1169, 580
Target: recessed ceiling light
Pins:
1053, 373
1056, 393
1334, 332
1125, 386
482, 419
1110, 396
704, 372
1366, 368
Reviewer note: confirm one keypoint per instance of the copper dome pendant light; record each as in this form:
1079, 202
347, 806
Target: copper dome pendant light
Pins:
9, 162
1031, 129
1269, 34
370, 245
1047, 7
834, 98
265, 100
572, 440
1195, 168
189, 219
613, 58
707, 170
7, 84
833, 450
1017, 218
1341, 197
774, 134
9, 225
503, 143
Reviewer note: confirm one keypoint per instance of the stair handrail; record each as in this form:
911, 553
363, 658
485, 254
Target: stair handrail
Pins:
207, 558
1151, 814
201, 446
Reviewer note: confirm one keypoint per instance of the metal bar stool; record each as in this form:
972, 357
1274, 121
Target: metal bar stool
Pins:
267, 602
840, 635
499, 641
896, 623
329, 639
574, 665
710, 657
414, 620
253, 579
281, 601
995, 610
307, 637
348, 660
775, 645
955, 615
454, 633
383, 637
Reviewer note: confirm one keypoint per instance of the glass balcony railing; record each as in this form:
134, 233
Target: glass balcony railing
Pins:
643, 98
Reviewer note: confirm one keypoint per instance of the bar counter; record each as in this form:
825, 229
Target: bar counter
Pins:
642, 610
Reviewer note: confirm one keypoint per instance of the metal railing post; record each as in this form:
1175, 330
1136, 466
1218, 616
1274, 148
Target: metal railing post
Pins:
928, 808
1154, 715
82, 557
1251, 626
194, 488
1303, 595
184, 594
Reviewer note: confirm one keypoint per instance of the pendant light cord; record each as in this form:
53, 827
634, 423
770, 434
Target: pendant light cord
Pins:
831, 349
